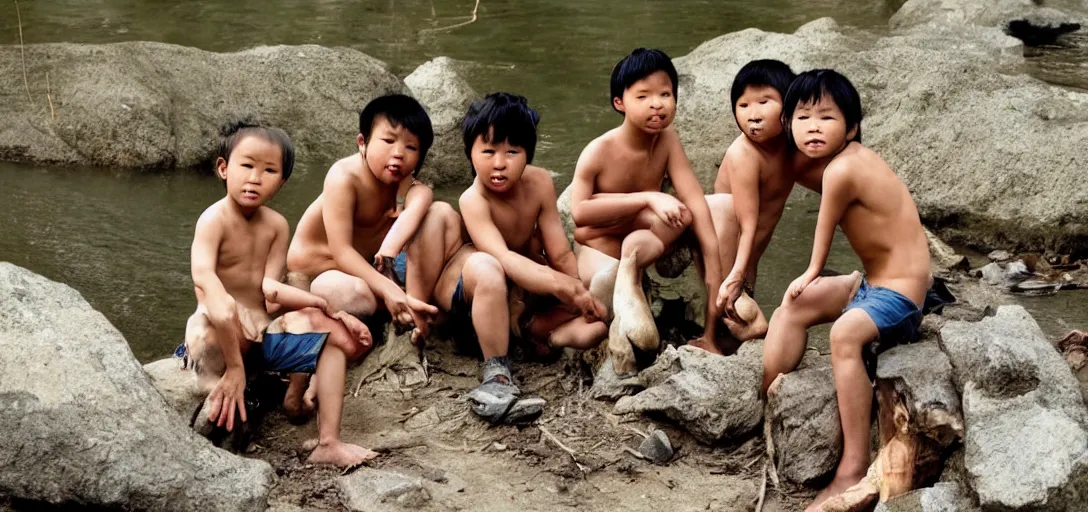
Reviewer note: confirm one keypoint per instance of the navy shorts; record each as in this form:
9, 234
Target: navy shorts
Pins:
897, 319
290, 352
400, 268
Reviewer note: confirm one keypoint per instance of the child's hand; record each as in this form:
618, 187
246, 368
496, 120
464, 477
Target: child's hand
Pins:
358, 330
228, 394
728, 294
669, 208
798, 286
407, 310
591, 308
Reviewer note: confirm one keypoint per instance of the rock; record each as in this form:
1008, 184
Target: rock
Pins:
178, 386
999, 256
152, 105
942, 497
802, 427
945, 258
427, 419
439, 86
713, 397
911, 82
609, 386
1014, 387
375, 490
84, 427
656, 447
1025, 19
992, 273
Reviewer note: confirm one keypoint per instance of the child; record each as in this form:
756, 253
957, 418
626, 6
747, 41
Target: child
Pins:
355, 221
863, 196
619, 210
238, 258
510, 212
753, 182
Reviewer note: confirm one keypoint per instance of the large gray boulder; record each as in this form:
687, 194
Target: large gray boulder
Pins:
988, 13
713, 397
936, 100
152, 105
82, 424
802, 426
942, 497
1025, 440
177, 386
439, 86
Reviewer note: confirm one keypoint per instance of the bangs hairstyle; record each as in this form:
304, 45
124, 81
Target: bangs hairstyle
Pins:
761, 73
640, 64
501, 117
399, 110
232, 133
810, 86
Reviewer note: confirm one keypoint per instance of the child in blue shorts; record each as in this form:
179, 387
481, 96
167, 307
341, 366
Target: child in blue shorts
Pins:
864, 197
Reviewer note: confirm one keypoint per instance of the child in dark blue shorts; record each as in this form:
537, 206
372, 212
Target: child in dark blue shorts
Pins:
864, 197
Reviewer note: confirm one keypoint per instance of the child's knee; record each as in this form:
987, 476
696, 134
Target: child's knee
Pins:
847, 340
581, 234
485, 275
441, 213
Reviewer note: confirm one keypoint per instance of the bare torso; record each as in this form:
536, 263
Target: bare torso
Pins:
776, 180
374, 213
625, 169
883, 226
516, 214
243, 255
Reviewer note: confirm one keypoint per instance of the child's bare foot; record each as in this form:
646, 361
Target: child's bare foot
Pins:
703, 344
839, 484
341, 454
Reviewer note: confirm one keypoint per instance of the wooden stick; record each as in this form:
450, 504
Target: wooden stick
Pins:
763, 487
22, 54
457, 25
551, 437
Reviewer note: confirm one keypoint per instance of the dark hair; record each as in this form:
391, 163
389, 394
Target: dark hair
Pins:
640, 64
232, 133
399, 110
812, 85
500, 117
763, 72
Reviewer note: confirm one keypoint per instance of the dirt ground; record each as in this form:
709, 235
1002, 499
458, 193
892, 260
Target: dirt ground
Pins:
429, 432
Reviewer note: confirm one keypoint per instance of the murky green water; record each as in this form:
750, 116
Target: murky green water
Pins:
122, 239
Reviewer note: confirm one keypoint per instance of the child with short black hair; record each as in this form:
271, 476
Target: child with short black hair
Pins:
750, 192
871, 313
355, 245
238, 255
620, 212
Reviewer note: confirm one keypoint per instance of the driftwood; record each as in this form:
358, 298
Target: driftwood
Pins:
945, 257
920, 419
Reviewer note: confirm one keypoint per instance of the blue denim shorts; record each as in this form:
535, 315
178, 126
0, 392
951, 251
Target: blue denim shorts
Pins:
400, 268
290, 352
897, 319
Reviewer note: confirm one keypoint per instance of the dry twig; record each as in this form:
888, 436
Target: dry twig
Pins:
456, 25
22, 54
762, 488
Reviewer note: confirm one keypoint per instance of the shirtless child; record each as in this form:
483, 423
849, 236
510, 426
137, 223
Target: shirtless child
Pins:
510, 213
618, 208
863, 196
238, 256
355, 221
754, 180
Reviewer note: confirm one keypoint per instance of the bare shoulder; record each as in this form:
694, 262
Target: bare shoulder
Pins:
540, 181
471, 196
742, 154
273, 220
595, 152
344, 171
211, 219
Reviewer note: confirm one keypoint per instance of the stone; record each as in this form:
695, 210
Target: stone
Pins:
376, 490
176, 385
942, 497
146, 105
990, 13
911, 82
921, 374
428, 419
1025, 440
439, 85
656, 447
714, 397
83, 425
607, 385
992, 273
1000, 255
801, 426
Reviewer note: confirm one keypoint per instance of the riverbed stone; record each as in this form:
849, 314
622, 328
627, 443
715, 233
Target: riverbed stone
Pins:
714, 397
439, 85
922, 375
1025, 440
82, 423
376, 490
912, 81
942, 497
989, 13
801, 426
177, 386
147, 105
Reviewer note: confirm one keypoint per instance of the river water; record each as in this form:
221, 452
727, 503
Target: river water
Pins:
122, 238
